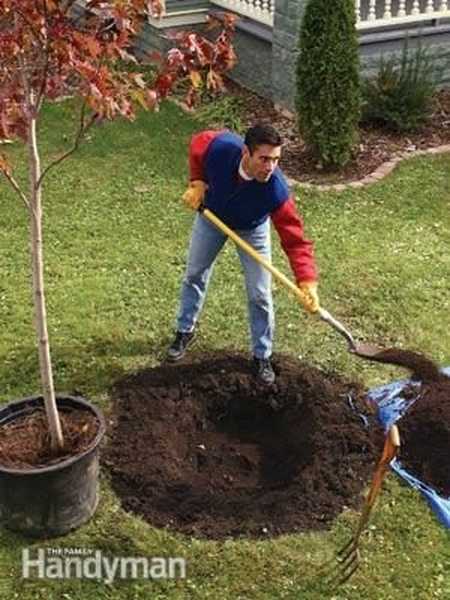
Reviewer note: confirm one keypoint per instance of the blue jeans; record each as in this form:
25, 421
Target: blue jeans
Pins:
206, 242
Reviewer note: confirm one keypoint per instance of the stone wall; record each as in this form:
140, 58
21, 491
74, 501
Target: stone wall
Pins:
288, 15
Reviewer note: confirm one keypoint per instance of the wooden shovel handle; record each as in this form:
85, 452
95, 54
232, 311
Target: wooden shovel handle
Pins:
252, 252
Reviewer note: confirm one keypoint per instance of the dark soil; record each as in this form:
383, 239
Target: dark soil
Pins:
25, 442
425, 436
425, 429
376, 144
203, 448
420, 366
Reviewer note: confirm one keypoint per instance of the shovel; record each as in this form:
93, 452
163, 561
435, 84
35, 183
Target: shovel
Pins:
368, 351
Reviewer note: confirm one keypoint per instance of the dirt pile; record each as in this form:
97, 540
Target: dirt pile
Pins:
425, 435
201, 447
421, 366
425, 428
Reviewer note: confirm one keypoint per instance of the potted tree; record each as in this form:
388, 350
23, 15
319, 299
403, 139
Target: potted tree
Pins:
47, 52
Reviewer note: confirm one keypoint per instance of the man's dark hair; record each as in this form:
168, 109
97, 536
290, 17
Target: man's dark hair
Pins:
262, 134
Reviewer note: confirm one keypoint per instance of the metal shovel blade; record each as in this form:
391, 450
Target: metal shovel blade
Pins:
369, 351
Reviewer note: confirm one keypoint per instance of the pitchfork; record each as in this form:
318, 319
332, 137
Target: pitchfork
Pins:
348, 555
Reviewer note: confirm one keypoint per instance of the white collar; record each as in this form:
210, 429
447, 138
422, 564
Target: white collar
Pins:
243, 174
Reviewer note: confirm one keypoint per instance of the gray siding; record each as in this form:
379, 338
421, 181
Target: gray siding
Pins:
267, 58
437, 44
253, 46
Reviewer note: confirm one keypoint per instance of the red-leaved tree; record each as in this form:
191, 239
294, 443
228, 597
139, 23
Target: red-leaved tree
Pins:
47, 52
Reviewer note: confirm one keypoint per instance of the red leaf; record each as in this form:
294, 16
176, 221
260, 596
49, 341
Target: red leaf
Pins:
92, 46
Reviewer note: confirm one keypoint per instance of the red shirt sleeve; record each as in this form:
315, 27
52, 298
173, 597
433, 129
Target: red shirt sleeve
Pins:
299, 250
197, 150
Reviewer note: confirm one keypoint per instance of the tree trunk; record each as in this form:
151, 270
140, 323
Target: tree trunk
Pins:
40, 312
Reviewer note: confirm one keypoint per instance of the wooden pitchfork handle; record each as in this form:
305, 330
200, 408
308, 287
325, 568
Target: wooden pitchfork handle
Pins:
390, 450
349, 554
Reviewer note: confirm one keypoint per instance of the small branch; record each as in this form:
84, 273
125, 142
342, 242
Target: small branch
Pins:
16, 187
81, 131
40, 95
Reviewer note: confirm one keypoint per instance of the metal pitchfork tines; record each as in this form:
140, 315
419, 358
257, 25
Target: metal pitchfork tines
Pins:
348, 555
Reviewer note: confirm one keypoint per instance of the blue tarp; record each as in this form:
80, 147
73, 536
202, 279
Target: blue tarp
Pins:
391, 406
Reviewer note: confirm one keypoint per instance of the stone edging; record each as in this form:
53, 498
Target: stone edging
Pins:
380, 173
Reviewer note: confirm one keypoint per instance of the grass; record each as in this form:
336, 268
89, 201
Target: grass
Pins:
115, 239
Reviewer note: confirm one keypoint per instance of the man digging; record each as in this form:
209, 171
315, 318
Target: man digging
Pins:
240, 181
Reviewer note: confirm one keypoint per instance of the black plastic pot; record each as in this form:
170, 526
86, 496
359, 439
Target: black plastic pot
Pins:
50, 501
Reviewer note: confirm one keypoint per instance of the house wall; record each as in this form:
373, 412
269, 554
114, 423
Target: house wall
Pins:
252, 43
288, 15
253, 46
287, 19
267, 57
374, 46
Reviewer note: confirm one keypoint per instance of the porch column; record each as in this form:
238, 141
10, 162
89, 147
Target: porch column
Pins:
288, 15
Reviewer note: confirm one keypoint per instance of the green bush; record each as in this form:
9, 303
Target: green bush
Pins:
400, 96
223, 111
328, 87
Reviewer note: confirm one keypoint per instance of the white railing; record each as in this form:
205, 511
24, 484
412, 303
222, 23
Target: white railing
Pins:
381, 13
258, 10
369, 13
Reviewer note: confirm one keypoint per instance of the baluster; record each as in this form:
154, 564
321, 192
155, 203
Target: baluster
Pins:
416, 8
358, 10
372, 15
401, 9
387, 10
444, 5
266, 8
247, 7
430, 7
257, 7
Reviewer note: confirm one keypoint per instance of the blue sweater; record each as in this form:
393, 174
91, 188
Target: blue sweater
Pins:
239, 204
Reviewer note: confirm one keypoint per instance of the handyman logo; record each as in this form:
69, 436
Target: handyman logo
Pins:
68, 563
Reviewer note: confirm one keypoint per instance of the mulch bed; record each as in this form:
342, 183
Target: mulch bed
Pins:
376, 145
203, 448
25, 441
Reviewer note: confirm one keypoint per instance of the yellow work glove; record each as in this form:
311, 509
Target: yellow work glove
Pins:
309, 297
195, 194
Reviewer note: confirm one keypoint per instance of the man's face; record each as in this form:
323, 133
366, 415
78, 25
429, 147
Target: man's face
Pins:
261, 164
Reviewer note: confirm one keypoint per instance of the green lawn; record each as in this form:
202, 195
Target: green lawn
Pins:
116, 236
